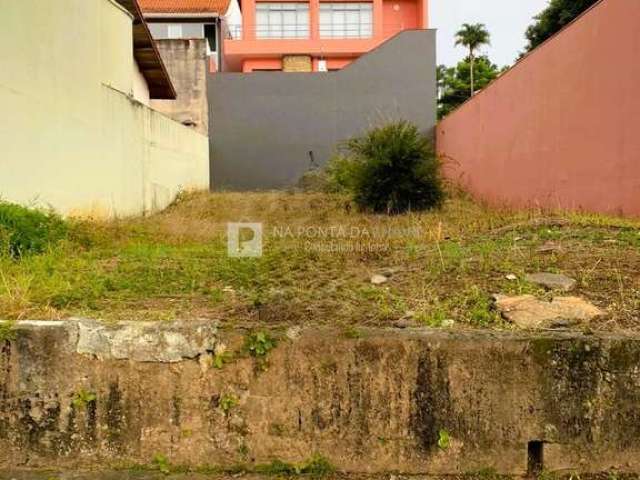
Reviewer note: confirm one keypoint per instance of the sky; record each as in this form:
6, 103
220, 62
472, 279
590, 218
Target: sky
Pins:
506, 20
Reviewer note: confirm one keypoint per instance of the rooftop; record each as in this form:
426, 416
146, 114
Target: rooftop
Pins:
147, 55
184, 6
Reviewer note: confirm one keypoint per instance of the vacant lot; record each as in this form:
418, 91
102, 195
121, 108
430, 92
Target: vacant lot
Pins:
319, 255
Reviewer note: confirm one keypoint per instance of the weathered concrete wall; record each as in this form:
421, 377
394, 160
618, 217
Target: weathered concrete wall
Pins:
73, 136
560, 129
186, 61
264, 124
370, 404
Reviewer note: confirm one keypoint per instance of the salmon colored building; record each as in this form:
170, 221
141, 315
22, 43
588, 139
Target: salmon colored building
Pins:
314, 35
561, 129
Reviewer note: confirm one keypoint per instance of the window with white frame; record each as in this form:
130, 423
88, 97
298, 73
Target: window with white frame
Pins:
346, 20
208, 31
174, 31
282, 20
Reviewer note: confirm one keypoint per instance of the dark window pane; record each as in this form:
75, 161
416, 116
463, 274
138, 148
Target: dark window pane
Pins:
210, 35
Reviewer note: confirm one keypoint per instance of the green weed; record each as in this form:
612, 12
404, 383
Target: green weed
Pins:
433, 318
161, 463
82, 398
219, 359
8, 331
444, 439
228, 402
259, 344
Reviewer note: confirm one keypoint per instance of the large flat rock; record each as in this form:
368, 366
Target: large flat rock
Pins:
146, 341
552, 281
528, 312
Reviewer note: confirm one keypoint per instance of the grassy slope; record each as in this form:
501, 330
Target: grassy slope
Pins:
175, 265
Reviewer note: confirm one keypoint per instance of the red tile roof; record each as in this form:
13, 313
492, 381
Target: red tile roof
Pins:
184, 6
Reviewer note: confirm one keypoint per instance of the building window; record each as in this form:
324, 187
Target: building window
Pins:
174, 31
346, 20
211, 36
165, 31
282, 20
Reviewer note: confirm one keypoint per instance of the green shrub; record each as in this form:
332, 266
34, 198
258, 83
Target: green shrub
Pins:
390, 169
24, 230
341, 174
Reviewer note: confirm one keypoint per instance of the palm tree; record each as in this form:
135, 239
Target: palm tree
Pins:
473, 37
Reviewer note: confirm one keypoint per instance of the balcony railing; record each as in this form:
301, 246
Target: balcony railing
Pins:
301, 32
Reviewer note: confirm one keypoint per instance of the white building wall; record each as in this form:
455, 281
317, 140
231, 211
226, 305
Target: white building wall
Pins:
73, 138
233, 18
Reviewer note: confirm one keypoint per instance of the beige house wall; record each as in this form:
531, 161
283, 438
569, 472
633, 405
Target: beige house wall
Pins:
73, 135
140, 87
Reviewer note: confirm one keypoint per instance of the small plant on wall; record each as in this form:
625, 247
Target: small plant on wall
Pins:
82, 398
7, 331
228, 402
258, 345
390, 169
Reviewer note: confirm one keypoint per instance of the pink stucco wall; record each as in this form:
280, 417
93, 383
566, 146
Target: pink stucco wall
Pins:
562, 128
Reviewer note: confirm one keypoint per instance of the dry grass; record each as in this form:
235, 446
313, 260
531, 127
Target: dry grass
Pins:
445, 264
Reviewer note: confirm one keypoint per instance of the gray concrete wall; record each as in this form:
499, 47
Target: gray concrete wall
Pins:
264, 124
186, 61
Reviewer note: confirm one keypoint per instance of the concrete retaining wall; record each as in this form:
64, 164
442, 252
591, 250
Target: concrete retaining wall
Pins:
265, 124
81, 395
560, 129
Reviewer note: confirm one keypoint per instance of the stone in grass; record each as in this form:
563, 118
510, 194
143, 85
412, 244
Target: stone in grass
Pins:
549, 247
379, 279
407, 321
527, 312
404, 323
389, 272
552, 281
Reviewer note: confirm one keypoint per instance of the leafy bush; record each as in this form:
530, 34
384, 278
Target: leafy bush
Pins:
341, 172
24, 230
390, 169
